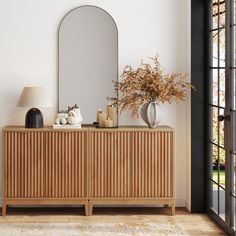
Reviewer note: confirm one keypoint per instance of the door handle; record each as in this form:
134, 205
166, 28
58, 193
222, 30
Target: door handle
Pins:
222, 118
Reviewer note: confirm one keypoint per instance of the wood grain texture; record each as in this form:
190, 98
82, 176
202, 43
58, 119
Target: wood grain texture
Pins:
88, 166
151, 164
110, 164
132, 164
45, 165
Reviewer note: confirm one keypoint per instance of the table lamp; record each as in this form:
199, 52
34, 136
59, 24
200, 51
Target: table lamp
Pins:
33, 97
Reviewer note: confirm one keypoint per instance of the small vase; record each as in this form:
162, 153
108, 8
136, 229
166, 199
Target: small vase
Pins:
151, 113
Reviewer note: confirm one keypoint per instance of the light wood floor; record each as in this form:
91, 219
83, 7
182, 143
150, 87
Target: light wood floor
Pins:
194, 224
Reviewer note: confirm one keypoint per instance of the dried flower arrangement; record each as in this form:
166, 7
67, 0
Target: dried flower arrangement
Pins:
147, 83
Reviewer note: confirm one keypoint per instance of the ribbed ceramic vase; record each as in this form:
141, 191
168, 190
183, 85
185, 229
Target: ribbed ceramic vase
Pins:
151, 113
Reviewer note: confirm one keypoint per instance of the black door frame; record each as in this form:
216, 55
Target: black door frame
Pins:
199, 110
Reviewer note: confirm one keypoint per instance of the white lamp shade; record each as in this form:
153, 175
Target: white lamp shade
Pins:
34, 97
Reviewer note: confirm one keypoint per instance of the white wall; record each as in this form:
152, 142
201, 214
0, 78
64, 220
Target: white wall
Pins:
28, 56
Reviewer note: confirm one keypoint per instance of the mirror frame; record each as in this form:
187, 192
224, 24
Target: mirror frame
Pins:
58, 52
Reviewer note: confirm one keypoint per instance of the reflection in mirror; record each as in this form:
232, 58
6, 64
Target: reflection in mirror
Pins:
88, 60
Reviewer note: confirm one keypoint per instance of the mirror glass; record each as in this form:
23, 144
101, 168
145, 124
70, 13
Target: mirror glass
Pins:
88, 60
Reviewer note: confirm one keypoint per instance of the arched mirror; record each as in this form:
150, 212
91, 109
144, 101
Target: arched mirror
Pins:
88, 60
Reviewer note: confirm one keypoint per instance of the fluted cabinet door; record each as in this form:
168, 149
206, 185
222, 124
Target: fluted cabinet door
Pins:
25, 164
88, 166
110, 162
152, 164
65, 161
45, 164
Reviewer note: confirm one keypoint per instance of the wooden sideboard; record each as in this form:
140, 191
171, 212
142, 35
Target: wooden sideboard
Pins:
88, 166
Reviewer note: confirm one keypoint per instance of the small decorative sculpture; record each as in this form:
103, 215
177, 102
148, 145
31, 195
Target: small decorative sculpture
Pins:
61, 118
74, 115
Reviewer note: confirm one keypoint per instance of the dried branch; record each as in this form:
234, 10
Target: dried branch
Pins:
149, 82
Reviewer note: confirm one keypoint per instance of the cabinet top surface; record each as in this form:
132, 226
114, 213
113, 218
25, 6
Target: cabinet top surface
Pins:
89, 128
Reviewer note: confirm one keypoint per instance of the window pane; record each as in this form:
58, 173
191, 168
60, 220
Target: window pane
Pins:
214, 200
222, 167
222, 88
215, 14
221, 129
215, 87
215, 125
215, 45
222, 47
215, 161
218, 166
222, 203
222, 159
222, 13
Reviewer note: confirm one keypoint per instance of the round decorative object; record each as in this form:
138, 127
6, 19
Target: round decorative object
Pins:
151, 113
63, 120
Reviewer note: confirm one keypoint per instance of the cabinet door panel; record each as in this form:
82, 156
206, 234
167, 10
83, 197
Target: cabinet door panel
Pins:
152, 164
24, 165
65, 164
45, 164
110, 164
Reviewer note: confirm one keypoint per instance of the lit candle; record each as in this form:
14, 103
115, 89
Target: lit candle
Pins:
108, 123
101, 119
112, 115
97, 115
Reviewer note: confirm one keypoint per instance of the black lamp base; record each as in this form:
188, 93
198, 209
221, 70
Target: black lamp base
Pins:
34, 118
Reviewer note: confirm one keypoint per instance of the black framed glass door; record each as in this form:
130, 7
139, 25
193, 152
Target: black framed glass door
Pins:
222, 110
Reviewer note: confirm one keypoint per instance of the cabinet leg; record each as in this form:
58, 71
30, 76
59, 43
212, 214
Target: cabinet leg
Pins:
173, 209
4, 208
88, 208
